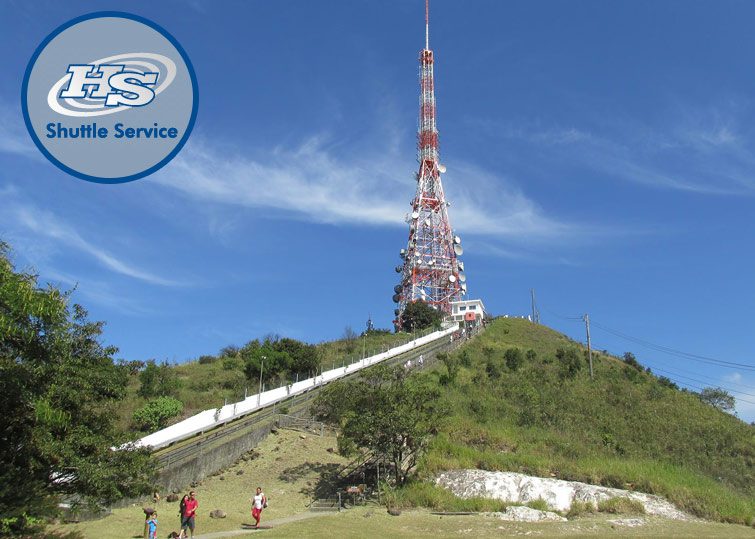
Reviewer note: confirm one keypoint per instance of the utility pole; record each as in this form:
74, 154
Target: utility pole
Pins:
259, 393
535, 312
586, 318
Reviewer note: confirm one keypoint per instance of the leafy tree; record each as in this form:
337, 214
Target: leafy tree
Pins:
304, 357
155, 414
419, 315
452, 368
570, 363
157, 380
630, 360
59, 389
514, 358
387, 412
718, 397
667, 382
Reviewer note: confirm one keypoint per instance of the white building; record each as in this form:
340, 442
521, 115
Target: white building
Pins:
470, 310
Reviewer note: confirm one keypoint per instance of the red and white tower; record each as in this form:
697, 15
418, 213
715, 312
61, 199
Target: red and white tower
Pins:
431, 271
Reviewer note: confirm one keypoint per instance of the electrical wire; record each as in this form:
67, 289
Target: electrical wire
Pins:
674, 352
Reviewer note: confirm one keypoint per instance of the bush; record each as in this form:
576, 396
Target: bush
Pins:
157, 380
539, 504
419, 315
206, 360
570, 362
514, 358
621, 505
580, 508
155, 414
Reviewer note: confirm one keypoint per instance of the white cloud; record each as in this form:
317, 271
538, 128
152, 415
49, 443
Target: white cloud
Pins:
696, 149
44, 224
13, 135
311, 183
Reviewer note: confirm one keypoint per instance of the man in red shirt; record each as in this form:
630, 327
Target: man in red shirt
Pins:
190, 509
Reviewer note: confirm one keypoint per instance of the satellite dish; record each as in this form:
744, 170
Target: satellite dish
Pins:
397, 288
457, 240
399, 269
461, 266
428, 222
402, 253
396, 312
458, 249
396, 298
452, 278
462, 277
415, 214
418, 254
432, 261
442, 169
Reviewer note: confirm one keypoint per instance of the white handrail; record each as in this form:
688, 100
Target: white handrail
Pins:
209, 419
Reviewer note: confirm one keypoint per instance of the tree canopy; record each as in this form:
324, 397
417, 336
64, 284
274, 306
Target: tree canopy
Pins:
58, 389
419, 315
388, 412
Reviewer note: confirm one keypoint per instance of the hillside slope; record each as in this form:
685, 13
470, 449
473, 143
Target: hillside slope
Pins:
623, 429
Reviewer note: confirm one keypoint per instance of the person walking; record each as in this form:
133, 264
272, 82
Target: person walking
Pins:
259, 502
188, 514
181, 509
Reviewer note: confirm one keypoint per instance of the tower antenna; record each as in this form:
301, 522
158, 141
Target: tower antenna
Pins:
431, 271
427, 25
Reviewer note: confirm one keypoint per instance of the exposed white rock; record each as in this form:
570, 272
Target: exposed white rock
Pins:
557, 493
521, 513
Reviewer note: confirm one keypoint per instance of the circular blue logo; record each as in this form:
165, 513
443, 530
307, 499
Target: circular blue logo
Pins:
110, 97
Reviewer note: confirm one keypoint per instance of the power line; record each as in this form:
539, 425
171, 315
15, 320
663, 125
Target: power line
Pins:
703, 382
710, 378
674, 352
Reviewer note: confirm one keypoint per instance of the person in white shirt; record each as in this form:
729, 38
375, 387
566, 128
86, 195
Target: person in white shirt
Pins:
259, 502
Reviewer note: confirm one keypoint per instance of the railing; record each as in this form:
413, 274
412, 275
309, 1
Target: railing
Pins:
210, 419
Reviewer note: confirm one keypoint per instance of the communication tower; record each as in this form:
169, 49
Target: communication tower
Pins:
431, 271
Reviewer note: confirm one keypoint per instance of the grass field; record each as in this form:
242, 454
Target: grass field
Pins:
287, 468
376, 522
623, 429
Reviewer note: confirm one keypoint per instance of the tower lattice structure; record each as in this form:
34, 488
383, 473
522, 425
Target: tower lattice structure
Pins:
431, 271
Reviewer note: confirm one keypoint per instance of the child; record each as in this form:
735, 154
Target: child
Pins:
152, 524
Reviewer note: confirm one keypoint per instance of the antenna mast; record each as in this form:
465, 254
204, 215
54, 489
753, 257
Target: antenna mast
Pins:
431, 271
427, 25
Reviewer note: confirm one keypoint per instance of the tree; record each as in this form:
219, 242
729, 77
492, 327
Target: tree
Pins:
157, 380
388, 412
718, 397
419, 315
155, 414
59, 388
570, 363
350, 338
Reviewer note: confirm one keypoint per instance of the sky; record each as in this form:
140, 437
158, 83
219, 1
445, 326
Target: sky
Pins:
601, 153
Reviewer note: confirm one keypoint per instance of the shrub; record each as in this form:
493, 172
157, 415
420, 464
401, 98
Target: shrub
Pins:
539, 504
206, 360
621, 505
157, 380
514, 358
580, 508
155, 414
570, 362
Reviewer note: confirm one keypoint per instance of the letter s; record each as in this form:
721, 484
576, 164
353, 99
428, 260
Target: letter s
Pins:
131, 89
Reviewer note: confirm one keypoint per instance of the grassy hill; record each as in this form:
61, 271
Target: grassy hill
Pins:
626, 428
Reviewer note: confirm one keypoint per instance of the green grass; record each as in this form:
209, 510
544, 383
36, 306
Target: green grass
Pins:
623, 429
621, 506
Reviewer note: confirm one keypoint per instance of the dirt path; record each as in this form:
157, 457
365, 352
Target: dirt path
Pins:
274, 523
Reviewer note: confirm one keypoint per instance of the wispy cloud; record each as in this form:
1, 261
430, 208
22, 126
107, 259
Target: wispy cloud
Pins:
22, 217
310, 182
98, 292
697, 150
13, 136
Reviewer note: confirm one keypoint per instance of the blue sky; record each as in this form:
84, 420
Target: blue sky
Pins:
602, 153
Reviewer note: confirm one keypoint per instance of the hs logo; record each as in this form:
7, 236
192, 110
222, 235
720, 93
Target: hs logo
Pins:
111, 83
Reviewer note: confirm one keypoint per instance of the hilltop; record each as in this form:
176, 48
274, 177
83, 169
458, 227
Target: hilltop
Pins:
521, 400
